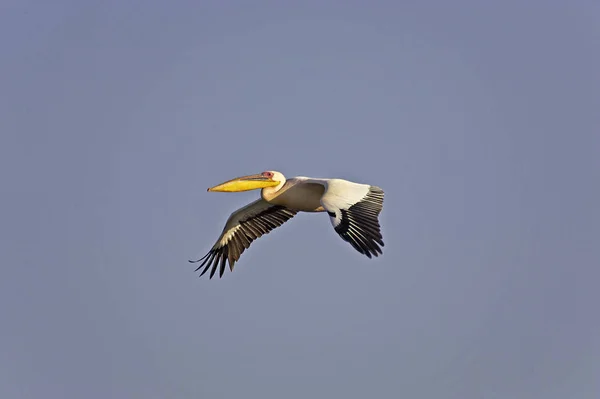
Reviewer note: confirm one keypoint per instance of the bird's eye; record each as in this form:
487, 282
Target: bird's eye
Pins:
267, 174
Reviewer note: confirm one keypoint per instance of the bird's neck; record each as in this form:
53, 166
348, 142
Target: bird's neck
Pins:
268, 193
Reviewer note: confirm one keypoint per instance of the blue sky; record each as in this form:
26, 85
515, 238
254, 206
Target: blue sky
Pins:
479, 121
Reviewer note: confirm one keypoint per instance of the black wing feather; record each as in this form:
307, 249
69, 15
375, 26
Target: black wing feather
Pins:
249, 230
359, 224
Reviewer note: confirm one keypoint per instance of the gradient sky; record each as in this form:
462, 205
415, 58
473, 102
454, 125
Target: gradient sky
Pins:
480, 122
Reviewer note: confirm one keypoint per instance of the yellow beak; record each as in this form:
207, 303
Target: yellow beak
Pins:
245, 183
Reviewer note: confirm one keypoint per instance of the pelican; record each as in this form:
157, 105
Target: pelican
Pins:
353, 210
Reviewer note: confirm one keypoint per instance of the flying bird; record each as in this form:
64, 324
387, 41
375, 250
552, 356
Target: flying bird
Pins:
353, 210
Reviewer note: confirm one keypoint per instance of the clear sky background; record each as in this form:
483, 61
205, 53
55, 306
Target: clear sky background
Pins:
480, 121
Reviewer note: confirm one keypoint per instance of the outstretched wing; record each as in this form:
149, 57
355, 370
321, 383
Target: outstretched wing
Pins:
243, 227
354, 213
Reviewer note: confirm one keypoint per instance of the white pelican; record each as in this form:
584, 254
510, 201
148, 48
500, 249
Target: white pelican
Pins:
352, 208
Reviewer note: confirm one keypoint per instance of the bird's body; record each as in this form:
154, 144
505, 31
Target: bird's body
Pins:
353, 209
298, 193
